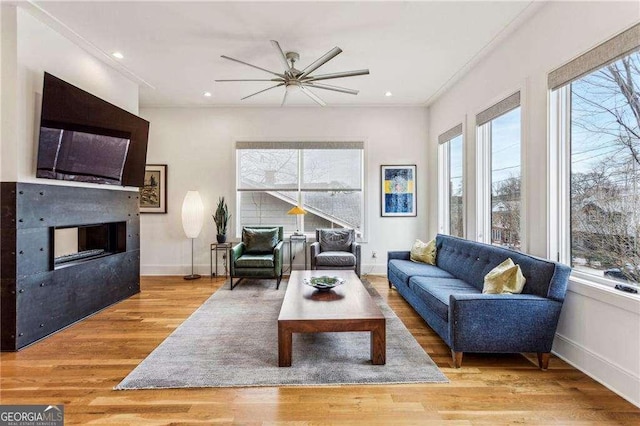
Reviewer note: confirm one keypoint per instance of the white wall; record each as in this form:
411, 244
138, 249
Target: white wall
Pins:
598, 329
40, 49
198, 147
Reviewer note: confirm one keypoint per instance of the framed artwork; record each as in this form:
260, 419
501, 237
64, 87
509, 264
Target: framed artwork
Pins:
153, 195
398, 192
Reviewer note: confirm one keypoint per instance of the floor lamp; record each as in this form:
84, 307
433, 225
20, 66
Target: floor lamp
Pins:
192, 220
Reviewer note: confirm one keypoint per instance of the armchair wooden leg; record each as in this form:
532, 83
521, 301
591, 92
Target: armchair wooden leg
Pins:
278, 284
457, 359
543, 360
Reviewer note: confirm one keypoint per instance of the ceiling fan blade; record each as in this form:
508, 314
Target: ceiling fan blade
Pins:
284, 100
336, 75
313, 96
264, 90
252, 66
321, 61
281, 54
329, 87
272, 79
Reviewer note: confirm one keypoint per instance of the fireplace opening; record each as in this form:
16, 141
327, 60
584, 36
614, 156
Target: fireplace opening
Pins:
75, 244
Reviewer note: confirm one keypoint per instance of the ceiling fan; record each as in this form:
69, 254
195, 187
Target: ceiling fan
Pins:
293, 79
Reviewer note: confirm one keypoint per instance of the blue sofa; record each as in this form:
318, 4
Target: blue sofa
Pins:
448, 296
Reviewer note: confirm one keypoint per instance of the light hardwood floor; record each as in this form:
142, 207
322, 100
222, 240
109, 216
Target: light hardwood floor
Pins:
79, 366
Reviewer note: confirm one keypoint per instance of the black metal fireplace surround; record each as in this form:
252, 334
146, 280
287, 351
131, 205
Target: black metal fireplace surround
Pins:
42, 293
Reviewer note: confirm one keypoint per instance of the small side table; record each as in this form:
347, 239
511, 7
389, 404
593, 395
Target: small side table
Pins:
295, 239
215, 248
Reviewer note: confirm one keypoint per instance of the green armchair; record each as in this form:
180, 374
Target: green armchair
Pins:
259, 255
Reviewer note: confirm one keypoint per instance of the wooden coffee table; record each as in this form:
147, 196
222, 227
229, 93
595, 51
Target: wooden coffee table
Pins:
347, 307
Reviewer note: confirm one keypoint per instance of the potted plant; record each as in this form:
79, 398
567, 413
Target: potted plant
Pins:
221, 218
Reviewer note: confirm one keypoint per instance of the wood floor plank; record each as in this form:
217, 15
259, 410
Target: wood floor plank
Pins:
79, 367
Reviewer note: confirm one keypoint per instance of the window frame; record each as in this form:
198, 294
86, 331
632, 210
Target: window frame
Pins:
559, 184
444, 179
559, 83
302, 144
483, 148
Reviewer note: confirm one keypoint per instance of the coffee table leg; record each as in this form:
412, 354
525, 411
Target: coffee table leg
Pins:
379, 344
285, 346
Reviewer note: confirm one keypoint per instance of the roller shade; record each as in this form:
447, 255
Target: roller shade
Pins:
609, 51
450, 134
495, 111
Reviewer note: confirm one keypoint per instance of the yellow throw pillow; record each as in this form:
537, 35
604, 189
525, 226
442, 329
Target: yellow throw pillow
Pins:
504, 278
424, 252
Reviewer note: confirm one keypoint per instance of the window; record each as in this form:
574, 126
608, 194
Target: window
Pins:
499, 174
325, 178
451, 193
596, 152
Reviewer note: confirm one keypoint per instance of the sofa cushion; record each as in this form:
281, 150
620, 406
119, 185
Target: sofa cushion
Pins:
336, 239
405, 269
504, 278
259, 240
435, 292
336, 258
250, 260
424, 252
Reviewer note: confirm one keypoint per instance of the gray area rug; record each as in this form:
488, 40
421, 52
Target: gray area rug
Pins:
232, 340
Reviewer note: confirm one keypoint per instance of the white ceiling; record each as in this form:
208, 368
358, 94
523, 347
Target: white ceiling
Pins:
412, 49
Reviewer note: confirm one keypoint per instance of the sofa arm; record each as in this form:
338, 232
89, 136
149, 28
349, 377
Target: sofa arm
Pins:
314, 251
234, 253
502, 323
402, 255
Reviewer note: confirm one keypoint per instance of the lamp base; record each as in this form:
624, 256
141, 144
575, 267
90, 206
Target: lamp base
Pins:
192, 277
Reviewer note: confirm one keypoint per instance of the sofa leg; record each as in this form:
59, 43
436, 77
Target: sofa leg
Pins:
390, 285
543, 360
457, 359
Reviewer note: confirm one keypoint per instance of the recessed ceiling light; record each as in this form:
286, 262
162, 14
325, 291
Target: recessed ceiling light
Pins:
117, 55
387, 94
207, 94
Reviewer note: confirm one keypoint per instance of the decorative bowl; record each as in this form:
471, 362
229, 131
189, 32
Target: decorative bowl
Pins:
324, 282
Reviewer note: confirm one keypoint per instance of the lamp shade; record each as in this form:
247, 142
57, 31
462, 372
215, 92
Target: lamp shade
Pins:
192, 214
297, 210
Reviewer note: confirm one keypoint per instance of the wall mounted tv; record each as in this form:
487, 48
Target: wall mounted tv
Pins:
86, 139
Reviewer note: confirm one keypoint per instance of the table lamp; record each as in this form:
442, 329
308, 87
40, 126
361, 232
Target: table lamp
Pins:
298, 211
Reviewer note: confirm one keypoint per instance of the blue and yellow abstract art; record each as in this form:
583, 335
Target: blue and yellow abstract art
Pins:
398, 190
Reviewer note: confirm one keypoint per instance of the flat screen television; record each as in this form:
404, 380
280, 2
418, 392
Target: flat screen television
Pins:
86, 139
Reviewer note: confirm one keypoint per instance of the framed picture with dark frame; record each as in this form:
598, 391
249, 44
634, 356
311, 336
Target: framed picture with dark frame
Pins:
153, 195
398, 190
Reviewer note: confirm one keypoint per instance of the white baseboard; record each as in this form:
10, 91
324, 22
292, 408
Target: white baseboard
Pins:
176, 269
611, 375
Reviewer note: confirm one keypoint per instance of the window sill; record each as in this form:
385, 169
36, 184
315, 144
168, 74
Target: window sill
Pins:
604, 293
